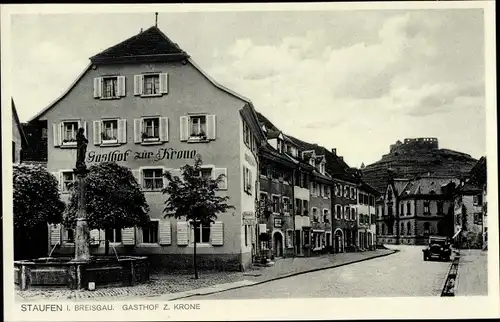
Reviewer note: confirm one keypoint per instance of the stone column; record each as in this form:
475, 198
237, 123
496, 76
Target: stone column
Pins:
82, 235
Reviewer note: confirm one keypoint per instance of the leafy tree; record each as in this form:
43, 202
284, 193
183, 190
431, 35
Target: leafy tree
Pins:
194, 198
36, 197
36, 202
114, 199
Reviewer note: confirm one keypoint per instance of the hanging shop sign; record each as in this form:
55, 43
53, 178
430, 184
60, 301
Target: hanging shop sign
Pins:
160, 154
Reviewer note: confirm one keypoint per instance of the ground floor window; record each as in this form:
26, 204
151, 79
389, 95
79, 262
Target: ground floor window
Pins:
289, 238
113, 235
150, 233
70, 235
201, 233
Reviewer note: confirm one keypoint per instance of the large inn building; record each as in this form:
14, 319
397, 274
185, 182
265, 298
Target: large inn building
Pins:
152, 109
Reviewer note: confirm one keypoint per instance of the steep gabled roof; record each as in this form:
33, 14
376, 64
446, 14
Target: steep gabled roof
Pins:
149, 44
18, 123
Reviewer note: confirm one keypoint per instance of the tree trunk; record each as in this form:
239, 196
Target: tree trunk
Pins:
194, 255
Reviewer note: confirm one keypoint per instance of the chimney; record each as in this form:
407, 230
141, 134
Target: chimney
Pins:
334, 151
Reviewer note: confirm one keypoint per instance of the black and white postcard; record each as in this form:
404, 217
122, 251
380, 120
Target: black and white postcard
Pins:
249, 161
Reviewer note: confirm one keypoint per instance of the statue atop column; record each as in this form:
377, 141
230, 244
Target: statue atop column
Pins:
81, 149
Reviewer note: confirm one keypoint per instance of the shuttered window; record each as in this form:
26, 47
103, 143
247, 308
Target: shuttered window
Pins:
64, 133
198, 128
151, 130
109, 87
68, 178
151, 84
128, 236
113, 235
223, 182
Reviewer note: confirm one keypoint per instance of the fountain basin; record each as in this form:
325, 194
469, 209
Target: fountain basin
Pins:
66, 272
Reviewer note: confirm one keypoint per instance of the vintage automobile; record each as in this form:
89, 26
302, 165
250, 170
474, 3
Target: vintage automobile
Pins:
438, 247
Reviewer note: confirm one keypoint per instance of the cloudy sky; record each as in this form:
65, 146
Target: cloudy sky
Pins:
352, 80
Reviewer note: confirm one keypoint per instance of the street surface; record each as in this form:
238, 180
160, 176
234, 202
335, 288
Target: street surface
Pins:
402, 274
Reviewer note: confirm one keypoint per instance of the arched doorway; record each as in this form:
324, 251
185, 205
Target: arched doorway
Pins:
278, 244
338, 241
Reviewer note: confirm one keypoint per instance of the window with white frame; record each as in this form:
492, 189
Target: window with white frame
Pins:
338, 211
247, 180
315, 214
109, 87
346, 192
151, 84
70, 235
314, 188
70, 128
206, 172
150, 233
286, 205
200, 234
427, 207
198, 126
151, 129
113, 235
276, 204
347, 212
110, 131
152, 179
326, 215
68, 178
353, 214
289, 238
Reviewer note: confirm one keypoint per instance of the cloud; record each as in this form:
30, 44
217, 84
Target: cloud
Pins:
367, 86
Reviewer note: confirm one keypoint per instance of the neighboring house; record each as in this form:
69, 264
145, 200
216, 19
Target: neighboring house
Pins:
18, 136
276, 196
366, 216
152, 109
470, 216
412, 210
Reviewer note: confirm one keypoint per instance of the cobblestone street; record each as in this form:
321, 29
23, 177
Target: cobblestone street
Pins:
401, 274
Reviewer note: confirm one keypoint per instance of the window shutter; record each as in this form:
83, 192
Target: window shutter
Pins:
137, 130
217, 173
56, 129
121, 86
138, 82
217, 233
211, 127
95, 236
97, 132
164, 83
184, 120
60, 179
122, 131
128, 236
182, 233
137, 176
97, 87
165, 232
55, 234
164, 129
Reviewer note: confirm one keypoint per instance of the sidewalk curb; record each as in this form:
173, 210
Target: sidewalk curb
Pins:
286, 276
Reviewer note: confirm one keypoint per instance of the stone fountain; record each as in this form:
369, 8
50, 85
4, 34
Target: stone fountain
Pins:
83, 271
